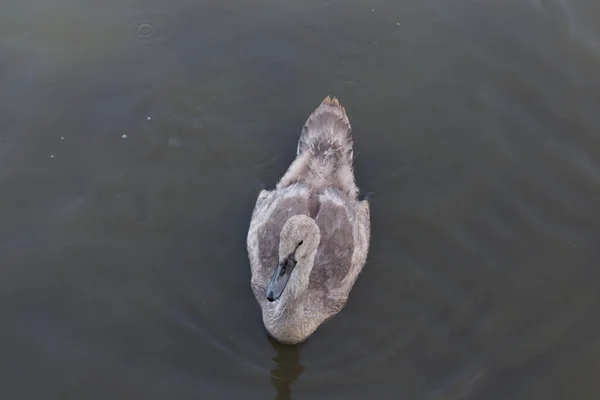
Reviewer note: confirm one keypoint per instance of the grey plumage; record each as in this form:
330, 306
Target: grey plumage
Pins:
317, 199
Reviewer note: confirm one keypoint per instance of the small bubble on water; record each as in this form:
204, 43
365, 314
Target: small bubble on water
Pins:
145, 29
148, 118
372, 10
51, 155
398, 23
124, 136
62, 138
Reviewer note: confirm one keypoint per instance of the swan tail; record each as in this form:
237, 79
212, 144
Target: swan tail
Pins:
327, 132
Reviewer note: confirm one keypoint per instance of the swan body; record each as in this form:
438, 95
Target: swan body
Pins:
309, 237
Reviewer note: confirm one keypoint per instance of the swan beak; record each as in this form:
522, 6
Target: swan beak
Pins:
279, 280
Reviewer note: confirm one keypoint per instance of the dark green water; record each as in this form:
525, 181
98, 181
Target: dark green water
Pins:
135, 135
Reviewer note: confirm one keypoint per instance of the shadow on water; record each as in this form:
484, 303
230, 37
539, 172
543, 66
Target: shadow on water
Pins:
287, 369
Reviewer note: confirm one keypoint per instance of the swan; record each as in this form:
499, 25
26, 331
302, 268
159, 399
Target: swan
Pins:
309, 237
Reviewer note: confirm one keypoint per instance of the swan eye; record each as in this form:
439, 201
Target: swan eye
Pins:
300, 243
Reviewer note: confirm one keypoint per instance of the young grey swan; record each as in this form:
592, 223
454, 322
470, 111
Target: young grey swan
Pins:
309, 238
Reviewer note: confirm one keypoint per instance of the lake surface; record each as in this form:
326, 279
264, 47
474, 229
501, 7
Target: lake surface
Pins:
136, 135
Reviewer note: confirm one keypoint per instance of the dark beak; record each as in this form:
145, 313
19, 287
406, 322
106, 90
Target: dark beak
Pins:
280, 279
282, 275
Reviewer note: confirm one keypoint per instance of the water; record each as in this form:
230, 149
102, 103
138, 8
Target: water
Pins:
135, 136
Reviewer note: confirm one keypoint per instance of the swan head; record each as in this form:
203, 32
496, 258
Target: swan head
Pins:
298, 243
